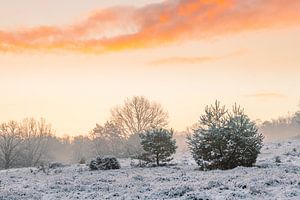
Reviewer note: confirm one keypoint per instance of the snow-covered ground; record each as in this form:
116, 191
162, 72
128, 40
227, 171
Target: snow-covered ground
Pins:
276, 176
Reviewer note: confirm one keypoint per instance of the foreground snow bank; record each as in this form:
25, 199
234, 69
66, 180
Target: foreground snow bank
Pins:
276, 176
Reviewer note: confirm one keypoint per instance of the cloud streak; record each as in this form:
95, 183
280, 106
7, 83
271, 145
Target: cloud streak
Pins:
267, 95
183, 60
180, 60
124, 27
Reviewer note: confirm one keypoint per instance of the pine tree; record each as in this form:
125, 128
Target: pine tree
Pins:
225, 140
158, 145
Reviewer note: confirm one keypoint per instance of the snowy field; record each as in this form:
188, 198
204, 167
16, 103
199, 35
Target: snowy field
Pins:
275, 176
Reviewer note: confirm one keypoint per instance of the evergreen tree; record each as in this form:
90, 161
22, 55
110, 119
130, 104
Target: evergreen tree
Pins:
158, 145
225, 140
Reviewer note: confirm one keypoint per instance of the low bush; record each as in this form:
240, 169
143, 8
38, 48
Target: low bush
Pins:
104, 163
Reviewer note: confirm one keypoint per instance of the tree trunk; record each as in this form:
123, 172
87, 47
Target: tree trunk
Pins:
157, 160
7, 161
7, 164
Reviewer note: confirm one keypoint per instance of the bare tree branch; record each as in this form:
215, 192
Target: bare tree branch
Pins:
139, 114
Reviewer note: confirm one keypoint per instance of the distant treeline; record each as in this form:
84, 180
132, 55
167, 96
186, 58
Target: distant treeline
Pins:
32, 142
281, 128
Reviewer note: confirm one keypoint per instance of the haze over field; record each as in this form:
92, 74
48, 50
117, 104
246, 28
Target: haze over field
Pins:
149, 99
71, 61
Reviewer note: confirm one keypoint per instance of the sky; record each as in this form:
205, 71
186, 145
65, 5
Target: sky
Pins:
71, 61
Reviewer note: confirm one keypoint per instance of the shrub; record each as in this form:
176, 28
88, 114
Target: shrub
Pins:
93, 165
225, 140
55, 165
104, 163
158, 145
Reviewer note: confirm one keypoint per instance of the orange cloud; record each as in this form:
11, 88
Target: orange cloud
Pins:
123, 28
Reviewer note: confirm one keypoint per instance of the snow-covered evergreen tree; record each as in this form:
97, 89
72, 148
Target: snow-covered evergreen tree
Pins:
158, 145
224, 140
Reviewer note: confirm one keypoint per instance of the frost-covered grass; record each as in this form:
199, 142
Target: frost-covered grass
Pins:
275, 176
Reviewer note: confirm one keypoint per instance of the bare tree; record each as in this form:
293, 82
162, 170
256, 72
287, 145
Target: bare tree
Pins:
60, 149
36, 136
138, 114
10, 143
81, 148
108, 139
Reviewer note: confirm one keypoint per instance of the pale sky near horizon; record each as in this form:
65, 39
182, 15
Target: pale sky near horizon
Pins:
75, 82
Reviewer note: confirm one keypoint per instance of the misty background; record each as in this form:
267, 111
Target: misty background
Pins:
33, 142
